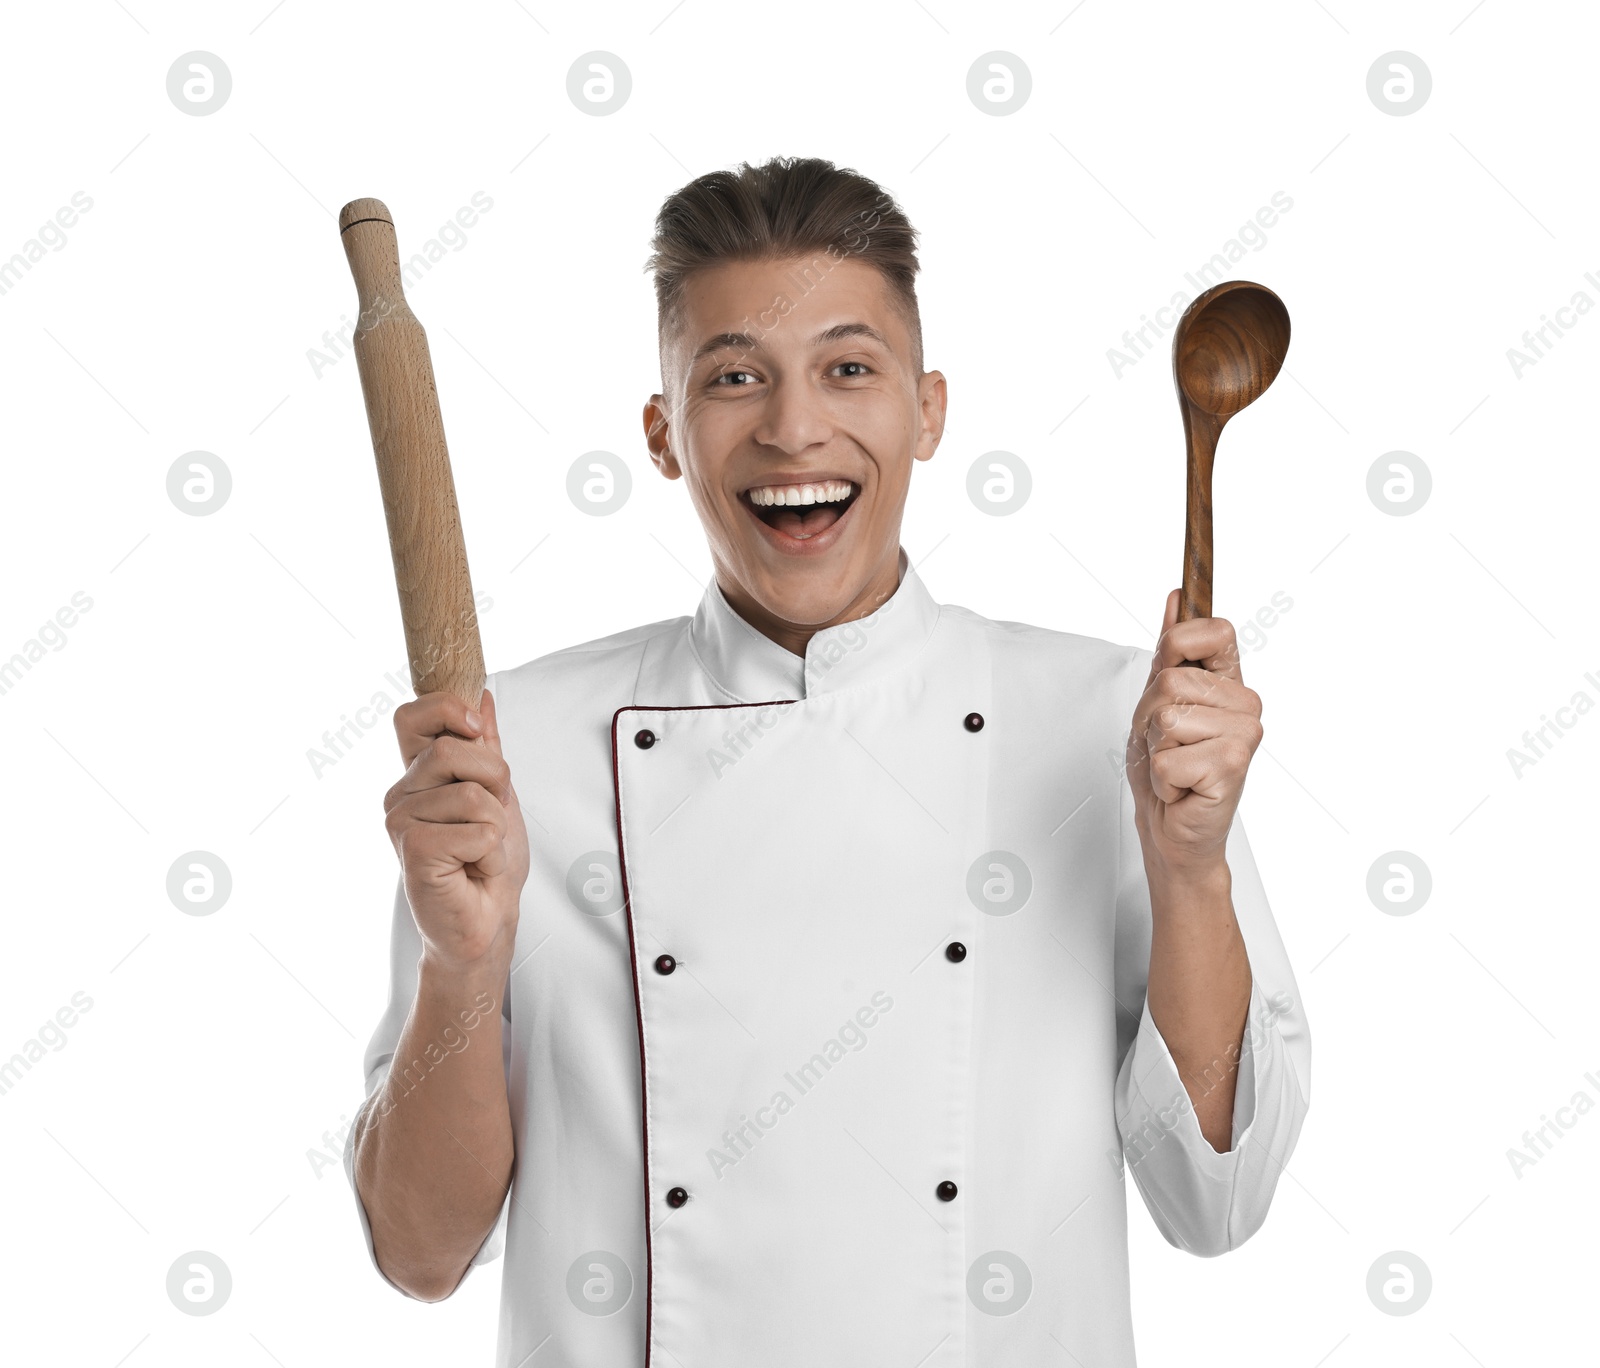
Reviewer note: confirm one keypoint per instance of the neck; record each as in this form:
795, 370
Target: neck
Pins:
794, 636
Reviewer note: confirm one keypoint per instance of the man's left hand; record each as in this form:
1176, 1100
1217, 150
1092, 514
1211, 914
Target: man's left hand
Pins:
1194, 732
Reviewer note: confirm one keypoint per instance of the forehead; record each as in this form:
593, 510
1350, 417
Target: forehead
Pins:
784, 304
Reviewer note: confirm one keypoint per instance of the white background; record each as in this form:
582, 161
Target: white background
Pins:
177, 712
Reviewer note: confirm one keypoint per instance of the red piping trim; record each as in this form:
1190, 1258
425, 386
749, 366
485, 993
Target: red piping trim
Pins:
638, 988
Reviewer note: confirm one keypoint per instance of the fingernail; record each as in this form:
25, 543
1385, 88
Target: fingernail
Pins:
473, 720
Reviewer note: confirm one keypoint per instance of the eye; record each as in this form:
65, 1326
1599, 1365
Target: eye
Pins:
864, 368
725, 374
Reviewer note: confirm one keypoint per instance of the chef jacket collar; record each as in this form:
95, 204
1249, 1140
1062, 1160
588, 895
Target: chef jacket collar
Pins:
752, 668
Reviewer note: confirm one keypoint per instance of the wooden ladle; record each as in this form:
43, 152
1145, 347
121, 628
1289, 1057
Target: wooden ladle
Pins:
1228, 348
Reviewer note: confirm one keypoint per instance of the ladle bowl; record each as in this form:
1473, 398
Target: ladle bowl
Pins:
1228, 348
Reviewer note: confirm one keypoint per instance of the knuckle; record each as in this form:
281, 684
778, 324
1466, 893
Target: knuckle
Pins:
496, 773
479, 839
457, 756
480, 800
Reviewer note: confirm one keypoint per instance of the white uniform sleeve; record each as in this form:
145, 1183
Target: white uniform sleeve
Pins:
1202, 1201
405, 949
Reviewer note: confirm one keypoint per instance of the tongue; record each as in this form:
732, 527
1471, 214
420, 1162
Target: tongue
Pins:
805, 520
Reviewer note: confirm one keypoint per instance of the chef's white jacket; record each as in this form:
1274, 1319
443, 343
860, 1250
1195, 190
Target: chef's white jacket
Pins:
825, 1037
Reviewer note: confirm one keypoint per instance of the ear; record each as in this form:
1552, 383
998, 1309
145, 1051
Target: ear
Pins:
932, 396
656, 435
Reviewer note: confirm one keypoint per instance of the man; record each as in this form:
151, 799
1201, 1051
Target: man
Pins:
803, 959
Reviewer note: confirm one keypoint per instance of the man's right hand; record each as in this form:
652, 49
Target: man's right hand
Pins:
457, 827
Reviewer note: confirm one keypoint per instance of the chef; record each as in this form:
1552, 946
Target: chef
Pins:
817, 968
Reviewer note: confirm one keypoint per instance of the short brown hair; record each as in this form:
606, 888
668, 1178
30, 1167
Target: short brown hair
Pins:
786, 207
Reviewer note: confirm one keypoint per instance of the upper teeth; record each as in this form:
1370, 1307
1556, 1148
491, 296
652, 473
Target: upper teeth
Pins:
829, 491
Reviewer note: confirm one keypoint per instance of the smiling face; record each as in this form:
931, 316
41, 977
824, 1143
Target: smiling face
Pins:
807, 397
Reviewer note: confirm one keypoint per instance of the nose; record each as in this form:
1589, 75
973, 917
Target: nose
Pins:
794, 418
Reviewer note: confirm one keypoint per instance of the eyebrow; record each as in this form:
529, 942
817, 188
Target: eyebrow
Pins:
746, 343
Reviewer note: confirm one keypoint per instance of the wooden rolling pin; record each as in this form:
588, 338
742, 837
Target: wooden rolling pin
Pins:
419, 495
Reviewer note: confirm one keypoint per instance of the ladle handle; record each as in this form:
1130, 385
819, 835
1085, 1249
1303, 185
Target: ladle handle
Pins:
1200, 433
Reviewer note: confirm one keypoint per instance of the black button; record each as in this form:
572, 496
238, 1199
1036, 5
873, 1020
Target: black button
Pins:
974, 722
665, 964
644, 739
946, 1191
955, 952
676, 1197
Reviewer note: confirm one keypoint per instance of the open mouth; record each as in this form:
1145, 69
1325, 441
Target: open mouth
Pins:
802, 521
